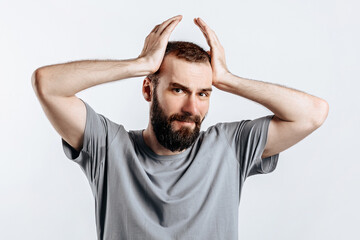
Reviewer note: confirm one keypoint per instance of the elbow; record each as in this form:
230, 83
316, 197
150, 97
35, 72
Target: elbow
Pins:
320, 113
36, 79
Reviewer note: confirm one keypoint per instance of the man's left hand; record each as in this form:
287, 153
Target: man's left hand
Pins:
217, 53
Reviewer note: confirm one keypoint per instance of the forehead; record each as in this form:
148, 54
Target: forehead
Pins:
193, 75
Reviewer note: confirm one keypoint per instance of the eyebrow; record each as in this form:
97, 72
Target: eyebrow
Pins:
174, 84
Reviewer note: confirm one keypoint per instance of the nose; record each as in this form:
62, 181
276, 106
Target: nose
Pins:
190, 105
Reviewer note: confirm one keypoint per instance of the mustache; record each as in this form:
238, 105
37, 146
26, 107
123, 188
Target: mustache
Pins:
185, 118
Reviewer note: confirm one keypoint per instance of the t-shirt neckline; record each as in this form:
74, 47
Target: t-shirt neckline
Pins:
152, 154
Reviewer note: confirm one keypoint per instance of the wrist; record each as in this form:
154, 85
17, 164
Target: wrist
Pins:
222, 81
143, 66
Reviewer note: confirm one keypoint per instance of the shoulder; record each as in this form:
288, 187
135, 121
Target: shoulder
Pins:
248, 125
239, 129
225, 127
103, 125
222, 131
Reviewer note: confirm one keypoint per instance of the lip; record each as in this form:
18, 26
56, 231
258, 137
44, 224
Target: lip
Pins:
185, 123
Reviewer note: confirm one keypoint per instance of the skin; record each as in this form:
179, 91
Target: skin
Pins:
296, 114
183, 87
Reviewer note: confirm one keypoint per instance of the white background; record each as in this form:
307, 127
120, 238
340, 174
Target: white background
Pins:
309, 45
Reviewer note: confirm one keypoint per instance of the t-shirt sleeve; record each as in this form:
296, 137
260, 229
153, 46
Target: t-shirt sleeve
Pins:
97, 137
248, 139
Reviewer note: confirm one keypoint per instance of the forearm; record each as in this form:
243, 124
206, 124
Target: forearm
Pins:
287, 104
67, 79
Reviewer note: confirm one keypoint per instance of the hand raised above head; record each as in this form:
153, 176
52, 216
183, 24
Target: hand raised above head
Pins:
217, 52
156, 42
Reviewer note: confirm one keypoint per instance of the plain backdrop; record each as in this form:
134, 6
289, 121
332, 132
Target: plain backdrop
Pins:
309, 45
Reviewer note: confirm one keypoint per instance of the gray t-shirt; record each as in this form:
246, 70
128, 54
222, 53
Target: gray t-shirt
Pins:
192, 195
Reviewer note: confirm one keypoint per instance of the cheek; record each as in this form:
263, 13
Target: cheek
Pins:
171, 105
204, 107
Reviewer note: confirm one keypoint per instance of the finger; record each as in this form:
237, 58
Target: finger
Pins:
207, 30
202, 29
204, 32
168, 22
155, 28
199, 24
170, 28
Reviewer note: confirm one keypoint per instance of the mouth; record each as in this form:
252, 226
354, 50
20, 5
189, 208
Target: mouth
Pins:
188, 123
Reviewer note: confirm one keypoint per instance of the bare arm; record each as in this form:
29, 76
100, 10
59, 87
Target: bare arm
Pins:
297, 114
286, 103
67, 79
56, 85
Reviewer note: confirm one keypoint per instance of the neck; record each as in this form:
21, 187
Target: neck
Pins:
152, 142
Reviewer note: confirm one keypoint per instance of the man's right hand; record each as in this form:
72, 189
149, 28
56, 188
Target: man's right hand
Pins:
56, 85
156, 42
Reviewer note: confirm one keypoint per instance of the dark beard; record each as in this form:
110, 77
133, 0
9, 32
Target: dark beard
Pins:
166, 136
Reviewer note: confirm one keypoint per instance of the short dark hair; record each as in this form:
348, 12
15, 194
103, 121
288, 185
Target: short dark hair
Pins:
188, 51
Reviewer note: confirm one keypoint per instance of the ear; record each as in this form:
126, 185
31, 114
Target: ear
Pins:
147, 89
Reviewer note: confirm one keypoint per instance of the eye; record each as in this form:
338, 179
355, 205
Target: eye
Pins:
177, 90
203, 94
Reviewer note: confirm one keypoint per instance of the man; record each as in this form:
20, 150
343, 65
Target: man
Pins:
171, 181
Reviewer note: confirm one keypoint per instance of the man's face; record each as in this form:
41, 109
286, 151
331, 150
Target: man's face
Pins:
180, 102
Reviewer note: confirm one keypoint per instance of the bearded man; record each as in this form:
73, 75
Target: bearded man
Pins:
171, 180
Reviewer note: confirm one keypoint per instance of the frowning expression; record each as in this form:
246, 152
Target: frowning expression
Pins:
180, 102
